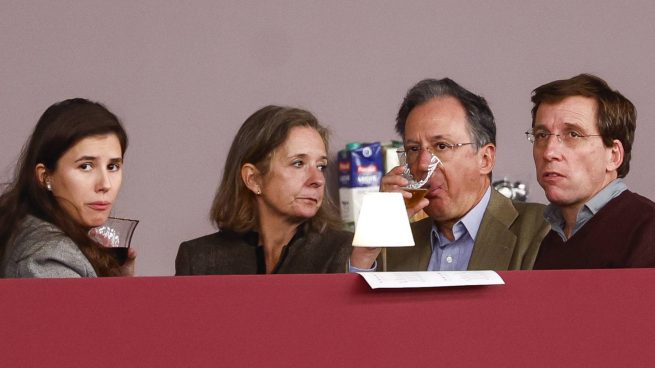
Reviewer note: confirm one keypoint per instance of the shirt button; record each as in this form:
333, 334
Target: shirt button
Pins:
449, 259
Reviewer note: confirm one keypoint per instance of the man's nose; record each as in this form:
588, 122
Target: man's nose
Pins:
552, 146
424, 159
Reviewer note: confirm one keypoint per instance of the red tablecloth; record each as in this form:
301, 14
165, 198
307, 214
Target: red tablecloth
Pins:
539, 318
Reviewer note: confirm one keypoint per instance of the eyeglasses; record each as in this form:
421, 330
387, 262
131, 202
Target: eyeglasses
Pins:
444, 151
570, 138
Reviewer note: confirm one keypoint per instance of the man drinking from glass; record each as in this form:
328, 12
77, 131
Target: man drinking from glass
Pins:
470, 225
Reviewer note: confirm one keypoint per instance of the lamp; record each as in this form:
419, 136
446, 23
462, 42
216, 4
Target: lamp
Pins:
383, 222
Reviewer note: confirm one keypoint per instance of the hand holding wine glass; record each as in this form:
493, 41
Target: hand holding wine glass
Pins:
116, 236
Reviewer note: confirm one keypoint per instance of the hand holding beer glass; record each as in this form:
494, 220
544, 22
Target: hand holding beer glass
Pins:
415, 185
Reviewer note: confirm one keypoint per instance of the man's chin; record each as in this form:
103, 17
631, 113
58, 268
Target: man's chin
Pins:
437, 214
556, 198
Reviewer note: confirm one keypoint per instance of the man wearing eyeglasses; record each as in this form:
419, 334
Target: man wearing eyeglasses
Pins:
470, 225
582, 134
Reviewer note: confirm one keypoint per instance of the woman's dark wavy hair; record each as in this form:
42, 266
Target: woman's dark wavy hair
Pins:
60, 127
234, 206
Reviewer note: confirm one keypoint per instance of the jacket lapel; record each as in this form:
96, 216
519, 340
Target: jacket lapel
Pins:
494, 245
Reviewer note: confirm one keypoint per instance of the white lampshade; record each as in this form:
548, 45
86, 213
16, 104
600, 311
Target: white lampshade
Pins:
383, 222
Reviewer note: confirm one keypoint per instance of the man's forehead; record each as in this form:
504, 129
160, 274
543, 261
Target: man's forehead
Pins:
436, 129
571, 111
577, 105
428, 137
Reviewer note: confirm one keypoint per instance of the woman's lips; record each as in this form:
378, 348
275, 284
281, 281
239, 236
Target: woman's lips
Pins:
314, 200
99, 206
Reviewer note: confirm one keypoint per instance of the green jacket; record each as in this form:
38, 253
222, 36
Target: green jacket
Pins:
508, 239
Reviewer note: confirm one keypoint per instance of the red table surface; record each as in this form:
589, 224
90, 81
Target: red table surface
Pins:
539, 318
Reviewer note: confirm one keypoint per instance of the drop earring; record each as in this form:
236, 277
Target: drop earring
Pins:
48, 186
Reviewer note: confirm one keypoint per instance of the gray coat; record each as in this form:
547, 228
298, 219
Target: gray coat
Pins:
42, 250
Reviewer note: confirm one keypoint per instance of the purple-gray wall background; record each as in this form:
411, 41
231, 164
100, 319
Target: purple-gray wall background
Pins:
184, 75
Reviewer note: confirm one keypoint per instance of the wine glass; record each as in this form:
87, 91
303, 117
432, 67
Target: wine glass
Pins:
415, 186
116, 236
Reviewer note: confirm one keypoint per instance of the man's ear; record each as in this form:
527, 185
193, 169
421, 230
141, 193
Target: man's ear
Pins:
616, 155
487, 157
252, 178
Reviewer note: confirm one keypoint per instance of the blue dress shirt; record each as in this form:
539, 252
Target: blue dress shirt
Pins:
455, 255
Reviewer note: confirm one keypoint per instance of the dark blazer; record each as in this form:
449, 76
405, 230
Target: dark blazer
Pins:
508, 239
226, 252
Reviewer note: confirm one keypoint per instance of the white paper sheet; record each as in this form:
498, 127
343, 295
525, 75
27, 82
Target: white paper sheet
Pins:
430, 279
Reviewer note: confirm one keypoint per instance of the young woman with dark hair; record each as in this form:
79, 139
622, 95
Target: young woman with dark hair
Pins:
66, 181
